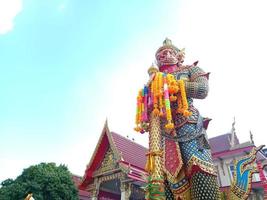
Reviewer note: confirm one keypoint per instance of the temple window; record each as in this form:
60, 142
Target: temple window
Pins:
231, 170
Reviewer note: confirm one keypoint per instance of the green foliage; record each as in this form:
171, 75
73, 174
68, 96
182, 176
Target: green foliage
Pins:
46, 181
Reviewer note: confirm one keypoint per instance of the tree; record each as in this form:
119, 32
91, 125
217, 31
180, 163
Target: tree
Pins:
46, 181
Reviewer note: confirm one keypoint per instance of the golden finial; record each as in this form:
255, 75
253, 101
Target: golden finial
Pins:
152, 69
167, 42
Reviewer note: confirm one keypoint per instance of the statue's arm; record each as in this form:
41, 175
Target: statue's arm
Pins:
198, 85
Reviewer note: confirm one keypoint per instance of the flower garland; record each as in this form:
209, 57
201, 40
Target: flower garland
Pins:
170, 124
159, 93
141, 111
183, 104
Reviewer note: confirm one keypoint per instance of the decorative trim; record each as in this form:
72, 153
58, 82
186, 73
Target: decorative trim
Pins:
170, 176
107, 164
202, 165
113, 146
97, 174
110, 177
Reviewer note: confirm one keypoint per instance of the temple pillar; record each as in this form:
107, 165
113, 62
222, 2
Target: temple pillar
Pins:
125, 190
94, 190
94, 195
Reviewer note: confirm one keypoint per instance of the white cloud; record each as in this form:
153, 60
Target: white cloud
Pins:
9, 9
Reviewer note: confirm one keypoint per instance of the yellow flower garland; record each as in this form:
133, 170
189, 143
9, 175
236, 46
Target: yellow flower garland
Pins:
163, 88
184, 110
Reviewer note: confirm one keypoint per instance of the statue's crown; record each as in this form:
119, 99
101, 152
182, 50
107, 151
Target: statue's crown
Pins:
167, 43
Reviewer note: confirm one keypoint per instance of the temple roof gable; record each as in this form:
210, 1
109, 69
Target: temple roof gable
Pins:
128, 157
104, 143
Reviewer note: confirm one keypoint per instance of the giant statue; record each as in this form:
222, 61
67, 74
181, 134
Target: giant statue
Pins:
179, 161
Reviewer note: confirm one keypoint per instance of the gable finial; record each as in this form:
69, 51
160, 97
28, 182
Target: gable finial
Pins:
251, 137
233, 134
106, 121
106, 124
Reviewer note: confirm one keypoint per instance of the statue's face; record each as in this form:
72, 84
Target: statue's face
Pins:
167, 56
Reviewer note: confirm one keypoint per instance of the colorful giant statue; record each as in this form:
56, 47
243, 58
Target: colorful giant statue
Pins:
179, 160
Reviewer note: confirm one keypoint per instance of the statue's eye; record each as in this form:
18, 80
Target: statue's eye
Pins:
160, 56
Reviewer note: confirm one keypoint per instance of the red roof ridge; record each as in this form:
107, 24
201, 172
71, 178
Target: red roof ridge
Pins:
132, 152
98, 144
220, 135
105, 131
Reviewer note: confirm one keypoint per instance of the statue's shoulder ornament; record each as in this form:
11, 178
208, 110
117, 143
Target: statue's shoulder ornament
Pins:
195, 71
182, 72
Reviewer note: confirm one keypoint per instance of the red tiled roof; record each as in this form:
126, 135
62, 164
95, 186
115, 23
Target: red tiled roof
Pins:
221, 143
76, 179
232, 152
83, 194
131, 152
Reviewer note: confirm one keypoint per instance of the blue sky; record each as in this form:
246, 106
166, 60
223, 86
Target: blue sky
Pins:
67, 65
55, 63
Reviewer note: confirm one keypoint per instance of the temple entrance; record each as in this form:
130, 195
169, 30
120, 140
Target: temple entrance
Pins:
110, 190
118, 189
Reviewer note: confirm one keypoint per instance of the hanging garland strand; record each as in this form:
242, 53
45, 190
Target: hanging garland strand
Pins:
170, 125
185, 110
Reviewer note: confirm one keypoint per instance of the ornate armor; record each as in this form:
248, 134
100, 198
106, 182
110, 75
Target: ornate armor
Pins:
196, 178
179, 161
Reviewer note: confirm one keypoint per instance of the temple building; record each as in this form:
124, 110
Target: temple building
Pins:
116, 169
225, 149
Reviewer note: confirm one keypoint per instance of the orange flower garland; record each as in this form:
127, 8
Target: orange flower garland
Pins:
161, 91
183, 104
